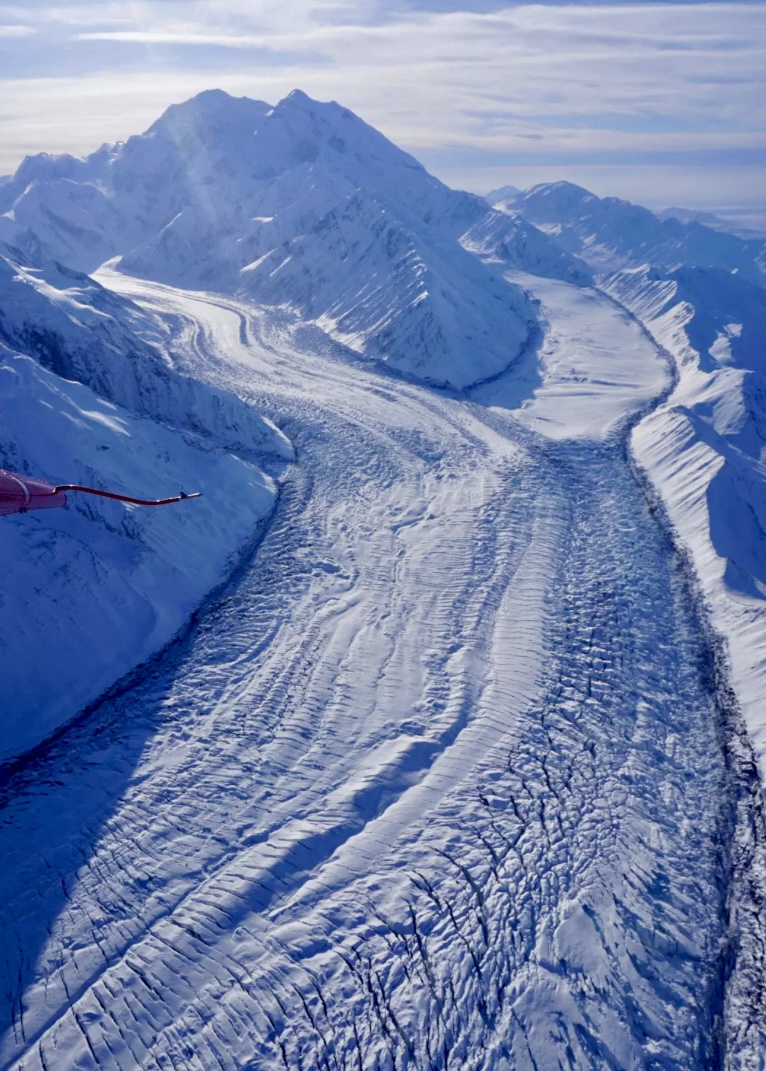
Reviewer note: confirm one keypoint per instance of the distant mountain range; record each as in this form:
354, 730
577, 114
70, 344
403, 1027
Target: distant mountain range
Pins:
610, 233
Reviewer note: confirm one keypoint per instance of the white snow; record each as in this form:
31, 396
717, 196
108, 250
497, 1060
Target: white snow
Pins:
429, 780
301, 205
97, 588
79, 330
611, 234
507, 239
704, 451
440, 779
594, 368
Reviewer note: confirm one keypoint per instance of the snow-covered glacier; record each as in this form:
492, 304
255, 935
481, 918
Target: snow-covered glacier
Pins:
451, 771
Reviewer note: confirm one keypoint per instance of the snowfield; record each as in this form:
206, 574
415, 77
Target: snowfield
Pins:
591, 372
440, 781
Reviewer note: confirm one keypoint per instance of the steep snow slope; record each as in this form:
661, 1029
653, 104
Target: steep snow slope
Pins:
507, 239
219, 165
704, 450
81, 212
433, 312
438, 784
93, 590
610, 233
343, 227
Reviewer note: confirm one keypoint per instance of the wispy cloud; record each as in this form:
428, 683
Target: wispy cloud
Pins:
178, 37
17, 31
468, 85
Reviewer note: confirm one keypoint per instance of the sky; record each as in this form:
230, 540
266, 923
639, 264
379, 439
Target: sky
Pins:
662, 103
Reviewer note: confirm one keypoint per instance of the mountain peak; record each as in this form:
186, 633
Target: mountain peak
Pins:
502, 193
211, 107
559, 190
297, 96
552, 201
326, 113
214, 96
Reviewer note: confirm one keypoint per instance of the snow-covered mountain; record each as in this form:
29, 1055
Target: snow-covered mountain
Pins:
611, 233
704, 447
303, 205
79, 330
506, 239
222, 165
417, 790
502, 195
300, 205
701, 294
89, 395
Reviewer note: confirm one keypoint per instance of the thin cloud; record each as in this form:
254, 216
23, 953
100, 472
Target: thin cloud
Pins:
17, 31
173, 37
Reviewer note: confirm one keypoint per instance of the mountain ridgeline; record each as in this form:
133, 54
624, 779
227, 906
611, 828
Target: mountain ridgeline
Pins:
610, 233
306, 206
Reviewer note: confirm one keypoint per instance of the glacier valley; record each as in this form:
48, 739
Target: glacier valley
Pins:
433, 735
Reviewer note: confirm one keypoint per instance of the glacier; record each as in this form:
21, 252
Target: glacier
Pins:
431, 735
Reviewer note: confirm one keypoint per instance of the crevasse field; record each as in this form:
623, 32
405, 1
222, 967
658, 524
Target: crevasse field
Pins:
432, 735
